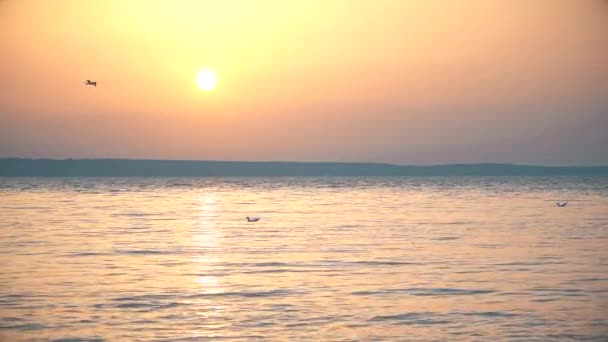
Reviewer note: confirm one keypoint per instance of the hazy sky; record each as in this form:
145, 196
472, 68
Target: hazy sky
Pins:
410, 82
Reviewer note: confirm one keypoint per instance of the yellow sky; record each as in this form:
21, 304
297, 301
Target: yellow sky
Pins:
398, 81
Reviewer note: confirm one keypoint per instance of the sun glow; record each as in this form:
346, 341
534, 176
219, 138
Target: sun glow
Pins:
206, 79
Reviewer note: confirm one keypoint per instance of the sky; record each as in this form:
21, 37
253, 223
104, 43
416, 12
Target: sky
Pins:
405, 82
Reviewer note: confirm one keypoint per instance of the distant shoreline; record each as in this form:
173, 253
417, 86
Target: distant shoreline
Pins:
23, 167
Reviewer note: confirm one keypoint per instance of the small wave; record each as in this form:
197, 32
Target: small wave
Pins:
543, 300
444, 223
445, 292
555, 290
320, 320
136, 214
248, 294
12, 319
29, 326
146, 252
385, 263
285, 270
593, 279
544, 292
79, 339
316, 265
371, 293
26, 208
143, 297
145, 302
489, 314
178, 185
530, 263
423, 318
425, 292
270, 264
150, 306
488, 245
83, 254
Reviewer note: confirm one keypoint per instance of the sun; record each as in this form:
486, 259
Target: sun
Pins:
206, 79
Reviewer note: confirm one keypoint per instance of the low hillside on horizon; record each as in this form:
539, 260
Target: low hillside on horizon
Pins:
22, 167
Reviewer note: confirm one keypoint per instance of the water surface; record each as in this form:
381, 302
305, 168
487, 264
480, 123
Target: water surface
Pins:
335, 259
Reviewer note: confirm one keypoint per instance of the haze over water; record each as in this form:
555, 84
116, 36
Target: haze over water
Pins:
334, 259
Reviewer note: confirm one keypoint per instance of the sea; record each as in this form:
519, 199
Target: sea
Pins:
330, 259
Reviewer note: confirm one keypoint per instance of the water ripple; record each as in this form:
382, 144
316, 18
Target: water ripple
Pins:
332, 259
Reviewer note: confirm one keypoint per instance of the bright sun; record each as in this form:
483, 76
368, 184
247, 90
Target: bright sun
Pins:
206, 79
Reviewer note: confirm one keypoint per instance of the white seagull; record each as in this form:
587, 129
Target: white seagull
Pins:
252, 219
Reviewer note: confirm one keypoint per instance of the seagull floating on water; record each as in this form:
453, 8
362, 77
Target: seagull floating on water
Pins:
90, 83
252, 219
561, 204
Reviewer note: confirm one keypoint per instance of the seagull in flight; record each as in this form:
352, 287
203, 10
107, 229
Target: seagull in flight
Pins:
561, 204
90, 83
252, 219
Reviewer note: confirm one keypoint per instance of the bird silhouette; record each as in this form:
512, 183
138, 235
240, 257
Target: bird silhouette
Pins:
252, 219
561, 204
90, 83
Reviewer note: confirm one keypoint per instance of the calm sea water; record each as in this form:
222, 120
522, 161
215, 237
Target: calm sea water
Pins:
332, 259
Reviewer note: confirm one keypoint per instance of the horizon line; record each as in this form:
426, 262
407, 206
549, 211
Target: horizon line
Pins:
314, 162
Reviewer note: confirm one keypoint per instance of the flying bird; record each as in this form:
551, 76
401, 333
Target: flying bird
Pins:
561, 204
252, 219
90, 83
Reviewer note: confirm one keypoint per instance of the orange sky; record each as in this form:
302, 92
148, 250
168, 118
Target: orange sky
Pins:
413, 82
